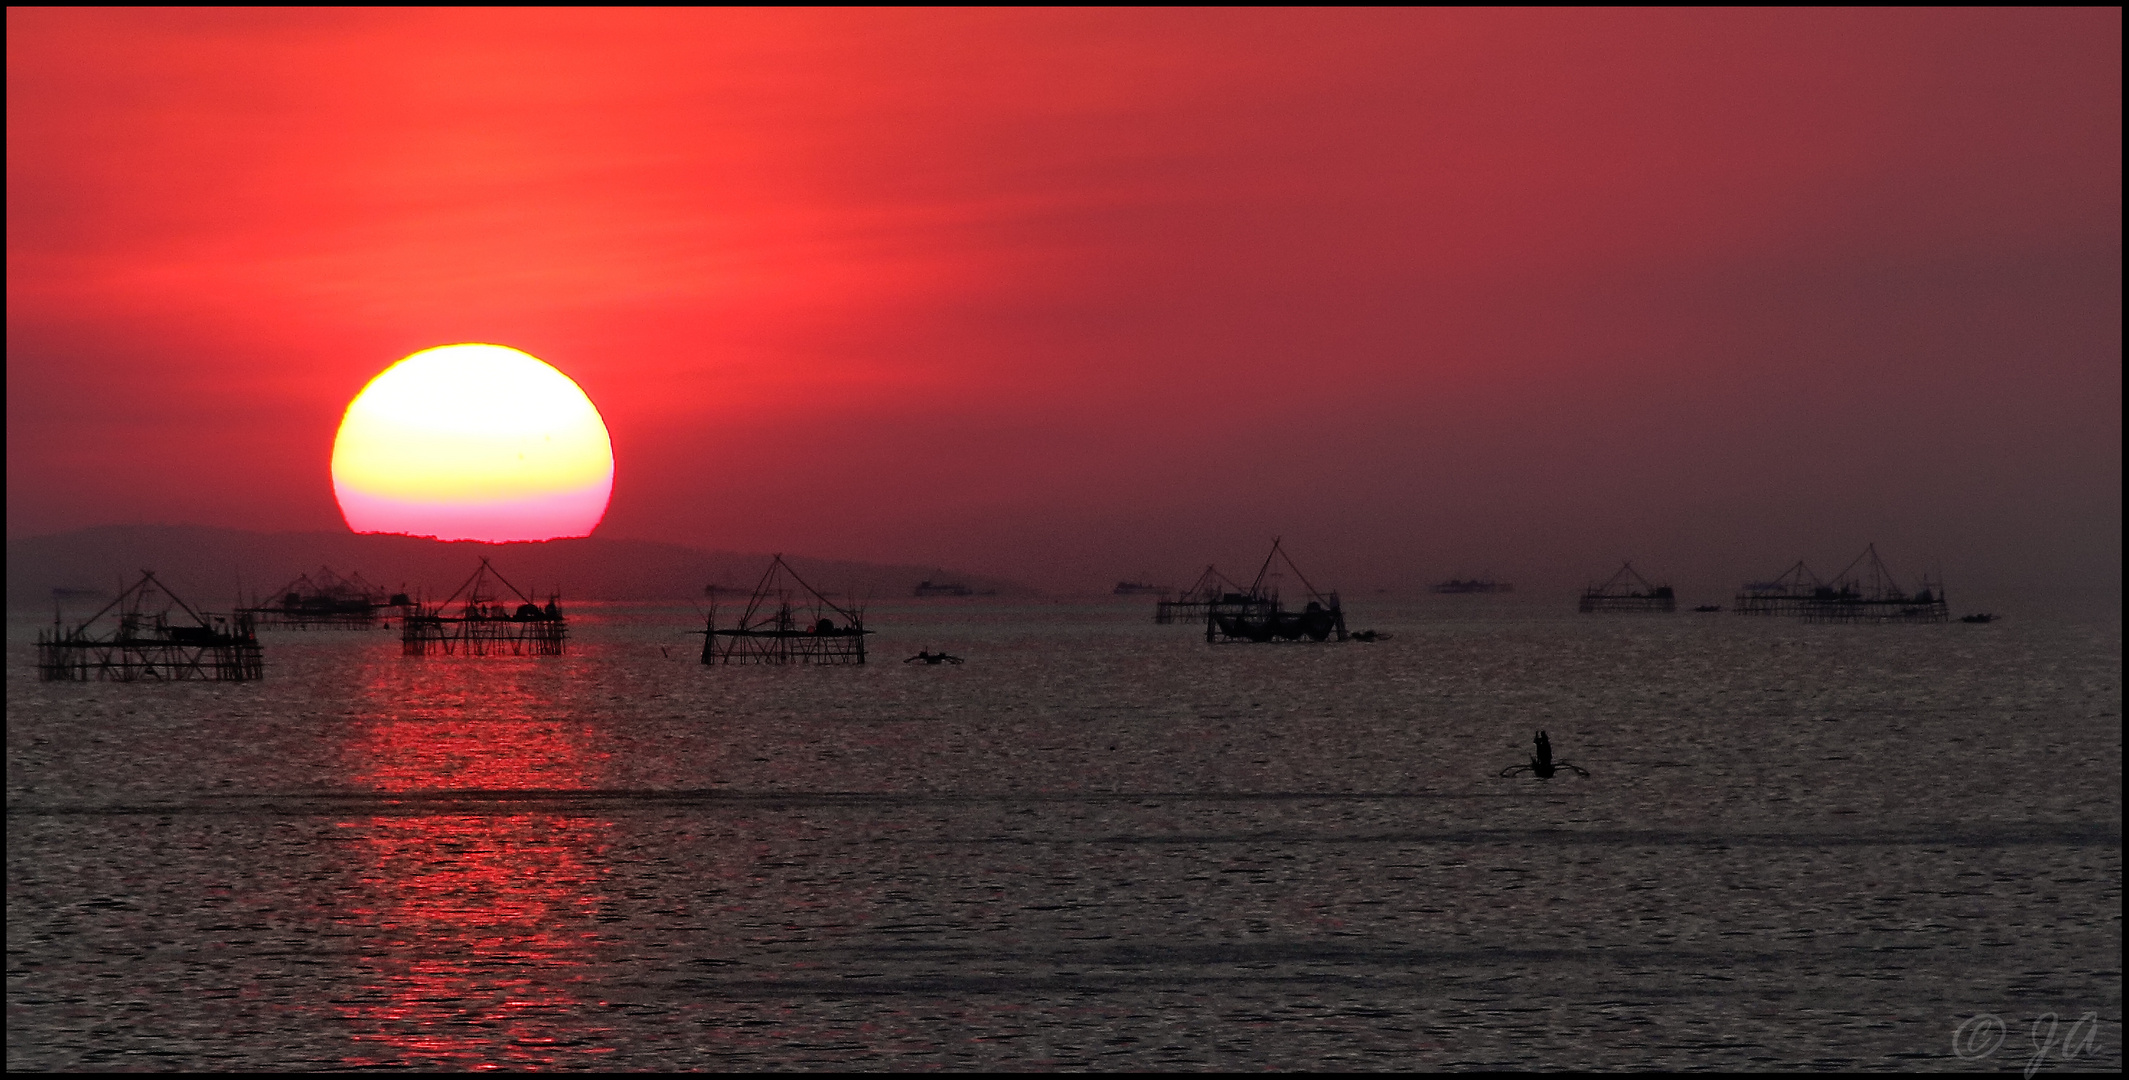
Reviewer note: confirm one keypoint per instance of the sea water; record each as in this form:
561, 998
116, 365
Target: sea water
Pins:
1099, 843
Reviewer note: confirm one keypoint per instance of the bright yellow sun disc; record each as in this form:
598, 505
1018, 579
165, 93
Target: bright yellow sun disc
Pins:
473, 442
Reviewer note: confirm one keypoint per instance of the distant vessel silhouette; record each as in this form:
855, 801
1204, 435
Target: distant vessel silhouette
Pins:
1140, 588
1474, 585
926, 657
942, 588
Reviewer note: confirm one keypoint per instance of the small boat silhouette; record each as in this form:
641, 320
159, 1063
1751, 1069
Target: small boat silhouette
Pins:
1542, 764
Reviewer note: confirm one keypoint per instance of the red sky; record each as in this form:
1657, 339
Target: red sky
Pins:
1074, 295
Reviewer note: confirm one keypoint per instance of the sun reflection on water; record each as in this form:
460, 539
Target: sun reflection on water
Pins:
478, 921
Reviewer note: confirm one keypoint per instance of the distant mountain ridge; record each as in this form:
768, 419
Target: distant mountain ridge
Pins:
208, 565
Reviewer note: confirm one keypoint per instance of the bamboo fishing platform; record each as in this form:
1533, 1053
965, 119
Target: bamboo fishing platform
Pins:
1193, 603
143, 642
325, 601
1866, 590
1787, 594
1628, 593
485, 622
1256, 615
780, 625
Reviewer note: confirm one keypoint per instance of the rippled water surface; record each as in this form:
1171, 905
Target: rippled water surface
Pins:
1099, 843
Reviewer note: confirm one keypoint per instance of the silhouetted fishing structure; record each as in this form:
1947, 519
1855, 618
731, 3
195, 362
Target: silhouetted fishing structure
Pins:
324, 601
1257, 615
772, 629
1786, 594
1627, 592
143, 642
1865, 591
485, 622
1192, 604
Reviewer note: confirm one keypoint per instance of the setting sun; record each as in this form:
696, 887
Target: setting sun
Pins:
473, 442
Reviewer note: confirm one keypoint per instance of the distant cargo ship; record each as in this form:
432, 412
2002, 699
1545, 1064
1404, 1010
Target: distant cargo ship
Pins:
1140, 588
1476, 585
942, 588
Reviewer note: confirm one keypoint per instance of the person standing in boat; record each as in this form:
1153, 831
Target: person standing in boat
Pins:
1542, 763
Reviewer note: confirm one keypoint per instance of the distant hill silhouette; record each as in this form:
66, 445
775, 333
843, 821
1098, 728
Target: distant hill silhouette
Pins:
206, 565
